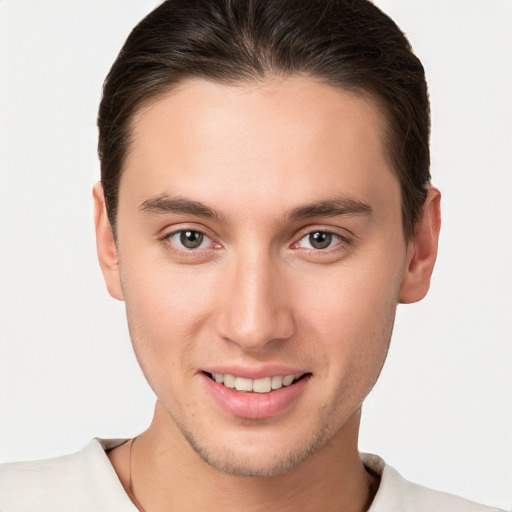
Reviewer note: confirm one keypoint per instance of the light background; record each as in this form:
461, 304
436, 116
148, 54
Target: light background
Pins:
442, 411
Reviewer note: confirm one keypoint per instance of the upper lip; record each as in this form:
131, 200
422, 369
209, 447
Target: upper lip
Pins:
256, 372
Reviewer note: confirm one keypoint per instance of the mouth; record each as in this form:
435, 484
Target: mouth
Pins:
262, 386
274, 392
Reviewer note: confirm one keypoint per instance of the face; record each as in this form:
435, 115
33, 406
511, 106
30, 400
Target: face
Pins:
260, 242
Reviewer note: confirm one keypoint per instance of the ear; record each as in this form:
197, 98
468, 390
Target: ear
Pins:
106, 245
422, 250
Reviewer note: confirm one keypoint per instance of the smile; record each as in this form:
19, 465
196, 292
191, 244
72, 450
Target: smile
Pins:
263, 385
256, 398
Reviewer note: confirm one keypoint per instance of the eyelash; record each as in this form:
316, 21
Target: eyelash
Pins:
342, 242
167, 238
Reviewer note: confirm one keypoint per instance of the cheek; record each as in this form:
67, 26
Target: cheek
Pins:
166, 309
355, 338
165, 295
356, 333
351, 312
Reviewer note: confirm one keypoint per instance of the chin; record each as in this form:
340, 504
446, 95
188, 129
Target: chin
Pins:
258, 458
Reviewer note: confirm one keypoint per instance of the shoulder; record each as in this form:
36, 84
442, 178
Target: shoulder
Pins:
78, 482
396, 494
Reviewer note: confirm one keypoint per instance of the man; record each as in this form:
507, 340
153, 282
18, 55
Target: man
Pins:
265, 203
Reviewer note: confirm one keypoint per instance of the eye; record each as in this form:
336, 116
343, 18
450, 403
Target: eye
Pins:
319, 240
189, 239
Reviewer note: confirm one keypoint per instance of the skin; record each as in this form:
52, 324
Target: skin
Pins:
256, 292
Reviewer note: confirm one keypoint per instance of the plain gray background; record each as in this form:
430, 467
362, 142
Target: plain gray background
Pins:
442, 411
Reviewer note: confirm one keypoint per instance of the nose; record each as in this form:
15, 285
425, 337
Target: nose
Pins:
254, 308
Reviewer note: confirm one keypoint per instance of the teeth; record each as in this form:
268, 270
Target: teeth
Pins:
277, 382
229, 381
242, 384
264, 385
287, 380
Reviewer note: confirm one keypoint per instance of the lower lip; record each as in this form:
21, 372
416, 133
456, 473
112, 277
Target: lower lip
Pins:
254, 405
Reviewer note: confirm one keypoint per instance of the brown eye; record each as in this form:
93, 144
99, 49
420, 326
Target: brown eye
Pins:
320, 239
191, 239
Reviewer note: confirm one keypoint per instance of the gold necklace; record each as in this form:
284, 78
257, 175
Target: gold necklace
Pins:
130, 483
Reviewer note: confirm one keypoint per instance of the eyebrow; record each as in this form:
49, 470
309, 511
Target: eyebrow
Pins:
341, 205
164, 203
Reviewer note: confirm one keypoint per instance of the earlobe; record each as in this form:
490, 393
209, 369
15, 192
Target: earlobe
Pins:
106, 245
422, 250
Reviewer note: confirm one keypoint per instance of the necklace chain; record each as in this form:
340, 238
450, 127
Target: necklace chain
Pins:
130, 483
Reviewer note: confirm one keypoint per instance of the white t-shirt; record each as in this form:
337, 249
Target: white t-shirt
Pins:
86, 482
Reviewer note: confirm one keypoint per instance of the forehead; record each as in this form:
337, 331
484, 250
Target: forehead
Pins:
269, 143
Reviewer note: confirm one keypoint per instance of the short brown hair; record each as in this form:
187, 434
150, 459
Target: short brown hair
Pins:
347, 43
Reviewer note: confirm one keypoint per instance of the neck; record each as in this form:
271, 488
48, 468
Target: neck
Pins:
167, 474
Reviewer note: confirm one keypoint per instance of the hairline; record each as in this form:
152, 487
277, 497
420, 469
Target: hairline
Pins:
244, 81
